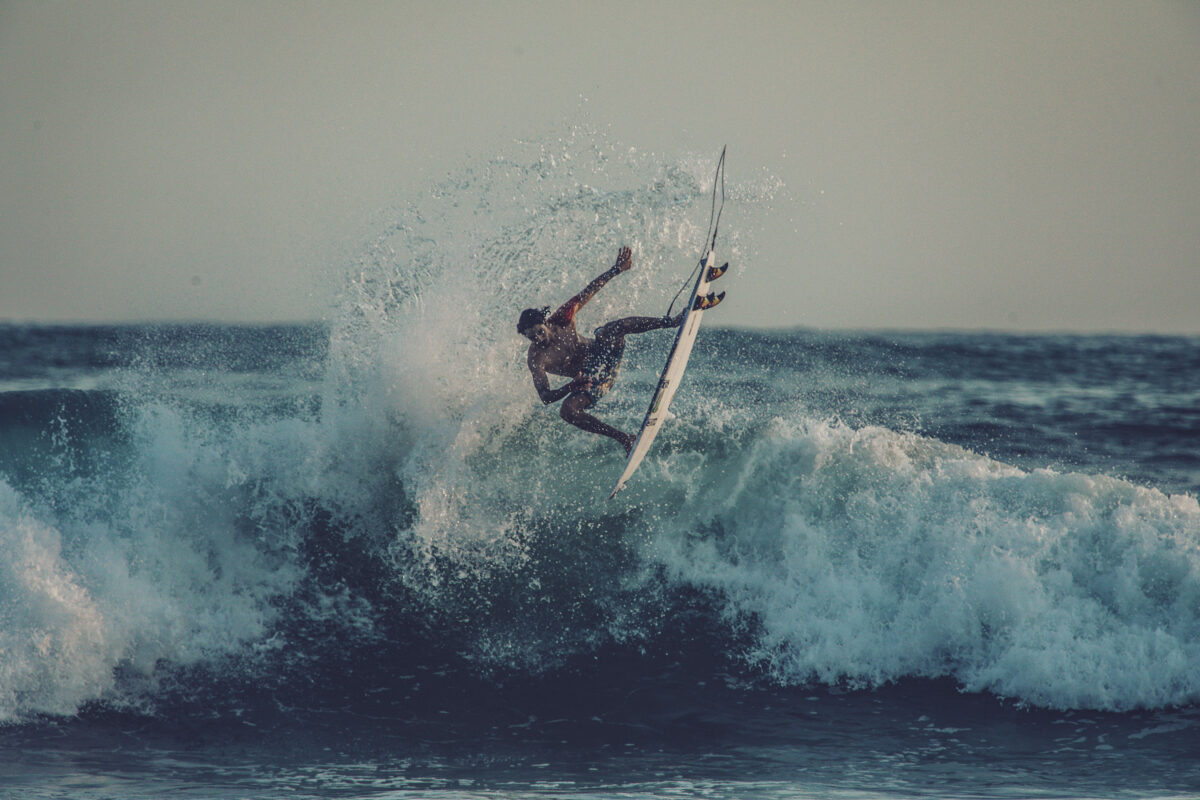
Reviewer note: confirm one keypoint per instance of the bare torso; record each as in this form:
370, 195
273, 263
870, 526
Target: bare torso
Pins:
564, 354
556, 348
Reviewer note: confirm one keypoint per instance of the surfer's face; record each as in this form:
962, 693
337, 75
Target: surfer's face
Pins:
538, 334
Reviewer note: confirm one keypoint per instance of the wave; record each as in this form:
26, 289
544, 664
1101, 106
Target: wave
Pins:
822, 553
414, 504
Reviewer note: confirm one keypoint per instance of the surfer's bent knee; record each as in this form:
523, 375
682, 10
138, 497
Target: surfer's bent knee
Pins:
575, 404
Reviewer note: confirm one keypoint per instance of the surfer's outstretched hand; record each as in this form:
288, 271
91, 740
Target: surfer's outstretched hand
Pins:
624, 259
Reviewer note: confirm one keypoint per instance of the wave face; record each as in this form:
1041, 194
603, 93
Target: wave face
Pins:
223, 516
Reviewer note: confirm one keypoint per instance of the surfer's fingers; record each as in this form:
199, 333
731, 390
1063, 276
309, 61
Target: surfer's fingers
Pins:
624, 258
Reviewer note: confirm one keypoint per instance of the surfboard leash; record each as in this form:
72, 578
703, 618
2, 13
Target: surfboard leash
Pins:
714, 221
714, 215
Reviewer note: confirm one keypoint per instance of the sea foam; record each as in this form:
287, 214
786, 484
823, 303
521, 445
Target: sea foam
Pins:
863, 556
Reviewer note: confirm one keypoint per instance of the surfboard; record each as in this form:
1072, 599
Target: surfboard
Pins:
677, 360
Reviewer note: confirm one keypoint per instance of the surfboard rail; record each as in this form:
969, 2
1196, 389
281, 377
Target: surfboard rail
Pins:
677, 359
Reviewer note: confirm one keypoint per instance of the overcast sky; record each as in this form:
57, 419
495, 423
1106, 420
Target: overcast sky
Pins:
1024, 166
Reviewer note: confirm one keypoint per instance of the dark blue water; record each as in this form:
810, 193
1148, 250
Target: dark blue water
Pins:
313, 561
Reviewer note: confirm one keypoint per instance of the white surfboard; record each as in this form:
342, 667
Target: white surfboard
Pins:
668, 382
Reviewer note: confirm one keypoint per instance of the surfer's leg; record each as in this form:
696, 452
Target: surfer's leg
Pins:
573, 411
627, 325
610, 338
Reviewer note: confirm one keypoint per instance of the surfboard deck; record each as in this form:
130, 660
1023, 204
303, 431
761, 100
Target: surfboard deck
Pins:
677, 360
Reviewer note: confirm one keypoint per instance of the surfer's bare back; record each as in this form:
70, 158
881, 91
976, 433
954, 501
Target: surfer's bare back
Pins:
557, 348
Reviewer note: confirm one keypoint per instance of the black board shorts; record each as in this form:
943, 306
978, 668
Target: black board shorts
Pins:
602, 365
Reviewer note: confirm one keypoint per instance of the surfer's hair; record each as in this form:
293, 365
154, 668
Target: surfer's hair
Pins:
531, 317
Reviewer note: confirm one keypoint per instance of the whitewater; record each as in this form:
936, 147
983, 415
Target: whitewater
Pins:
358, 558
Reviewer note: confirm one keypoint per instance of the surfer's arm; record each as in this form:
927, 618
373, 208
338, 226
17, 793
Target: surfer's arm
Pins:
542, 384
566, 312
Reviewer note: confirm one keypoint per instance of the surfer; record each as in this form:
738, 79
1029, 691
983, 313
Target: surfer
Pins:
557, 348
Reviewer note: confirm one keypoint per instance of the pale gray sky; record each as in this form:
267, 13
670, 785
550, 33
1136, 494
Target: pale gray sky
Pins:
1029, 166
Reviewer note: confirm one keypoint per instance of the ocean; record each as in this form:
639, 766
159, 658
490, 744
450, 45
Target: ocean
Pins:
358, 559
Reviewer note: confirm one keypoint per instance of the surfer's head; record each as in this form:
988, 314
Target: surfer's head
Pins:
532, 324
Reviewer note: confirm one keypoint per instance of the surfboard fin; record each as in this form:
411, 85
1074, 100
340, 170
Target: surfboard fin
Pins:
708, 301
716, 272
